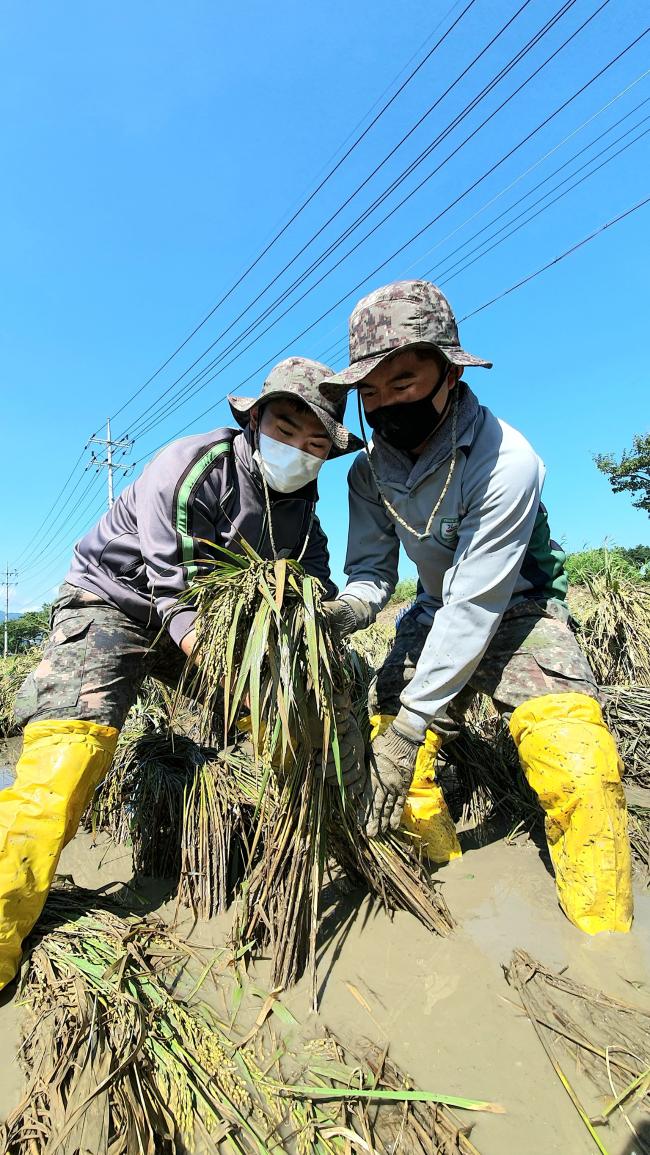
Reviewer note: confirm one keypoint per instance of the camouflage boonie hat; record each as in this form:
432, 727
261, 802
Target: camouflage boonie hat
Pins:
300, 377
398, 316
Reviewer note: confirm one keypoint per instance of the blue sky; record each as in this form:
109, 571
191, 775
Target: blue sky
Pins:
152, 150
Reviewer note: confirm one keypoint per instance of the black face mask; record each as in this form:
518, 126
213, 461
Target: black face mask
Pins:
408, 423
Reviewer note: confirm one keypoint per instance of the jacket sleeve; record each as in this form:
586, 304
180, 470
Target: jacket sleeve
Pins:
175, 512
373, 546
316, 559
493, 538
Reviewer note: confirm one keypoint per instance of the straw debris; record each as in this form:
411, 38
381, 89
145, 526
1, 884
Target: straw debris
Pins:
602, 1037
118, 1061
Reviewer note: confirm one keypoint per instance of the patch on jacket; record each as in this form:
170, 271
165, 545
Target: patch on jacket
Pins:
448, 530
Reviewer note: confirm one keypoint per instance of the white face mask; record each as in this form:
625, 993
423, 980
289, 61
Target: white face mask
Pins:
285, 468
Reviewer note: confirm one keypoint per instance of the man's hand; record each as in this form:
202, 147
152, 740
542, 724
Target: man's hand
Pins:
346, 615
352, 752
392, 766
188, 643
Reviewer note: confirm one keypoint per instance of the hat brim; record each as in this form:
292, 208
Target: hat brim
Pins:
356, 372
343, 440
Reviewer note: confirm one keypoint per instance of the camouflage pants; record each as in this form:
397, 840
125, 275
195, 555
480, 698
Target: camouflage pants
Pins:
532, 653
94, 663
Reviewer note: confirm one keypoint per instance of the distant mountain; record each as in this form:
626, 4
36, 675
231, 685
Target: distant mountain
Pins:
10, 618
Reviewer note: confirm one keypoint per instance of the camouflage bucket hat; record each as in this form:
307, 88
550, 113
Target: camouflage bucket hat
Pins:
300, 377
395, 317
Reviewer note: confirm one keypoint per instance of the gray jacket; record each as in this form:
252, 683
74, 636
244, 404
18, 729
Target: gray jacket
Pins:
489, 545
202, 489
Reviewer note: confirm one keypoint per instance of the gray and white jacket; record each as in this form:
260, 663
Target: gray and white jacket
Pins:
489, 546
203, 489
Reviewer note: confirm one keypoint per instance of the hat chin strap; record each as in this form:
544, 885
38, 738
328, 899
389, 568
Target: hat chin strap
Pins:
452, 465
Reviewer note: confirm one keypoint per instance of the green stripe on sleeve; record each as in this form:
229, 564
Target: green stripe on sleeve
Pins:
181, 507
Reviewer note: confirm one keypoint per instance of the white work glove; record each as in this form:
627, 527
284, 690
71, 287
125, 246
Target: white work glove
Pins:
346, 615
392, 766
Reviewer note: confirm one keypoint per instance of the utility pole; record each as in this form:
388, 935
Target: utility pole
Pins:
124, 443
9, 573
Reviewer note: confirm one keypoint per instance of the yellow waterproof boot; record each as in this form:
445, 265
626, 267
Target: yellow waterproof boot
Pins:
61, 764
425, 811
570, 760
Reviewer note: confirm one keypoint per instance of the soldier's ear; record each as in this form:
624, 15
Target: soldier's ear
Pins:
253, 419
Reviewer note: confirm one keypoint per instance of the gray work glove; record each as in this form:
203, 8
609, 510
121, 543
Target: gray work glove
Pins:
392, 766
352, 752
352, 749
346, 615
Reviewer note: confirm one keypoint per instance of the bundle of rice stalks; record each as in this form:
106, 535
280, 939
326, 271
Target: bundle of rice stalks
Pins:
141, 800
486, 777
264, 647
117, 1063
13, 671
614, 631
215, 842
627, 712
606, 1039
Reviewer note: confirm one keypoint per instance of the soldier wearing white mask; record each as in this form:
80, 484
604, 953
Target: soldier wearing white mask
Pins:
118, 616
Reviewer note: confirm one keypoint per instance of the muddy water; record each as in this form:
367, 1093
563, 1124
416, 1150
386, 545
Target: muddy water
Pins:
442, 1004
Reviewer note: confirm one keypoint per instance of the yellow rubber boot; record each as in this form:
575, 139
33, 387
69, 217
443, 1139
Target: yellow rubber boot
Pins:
425, 811
61, 764
570, 760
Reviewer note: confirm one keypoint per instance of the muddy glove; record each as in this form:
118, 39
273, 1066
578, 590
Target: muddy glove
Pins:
392, 766
352, 749
352, 752
346, 615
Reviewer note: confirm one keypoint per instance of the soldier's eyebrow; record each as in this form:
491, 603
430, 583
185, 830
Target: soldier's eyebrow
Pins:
402, 375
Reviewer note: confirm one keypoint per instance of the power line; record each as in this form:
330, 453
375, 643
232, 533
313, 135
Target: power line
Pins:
551, 116
295, 215
540, 160
556, 260
189, 388
301, 209
54, 504
445, 275
343, 236
444, 271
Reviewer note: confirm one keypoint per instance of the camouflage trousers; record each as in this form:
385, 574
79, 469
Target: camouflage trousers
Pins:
94, 663
533, 653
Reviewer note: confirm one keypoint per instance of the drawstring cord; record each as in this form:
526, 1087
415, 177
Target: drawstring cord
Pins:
385, 502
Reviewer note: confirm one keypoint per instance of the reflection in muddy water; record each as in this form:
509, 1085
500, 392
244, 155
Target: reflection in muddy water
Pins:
6, 776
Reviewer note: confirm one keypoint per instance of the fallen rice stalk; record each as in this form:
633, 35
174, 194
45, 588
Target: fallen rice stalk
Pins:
603, 1036
117, 1063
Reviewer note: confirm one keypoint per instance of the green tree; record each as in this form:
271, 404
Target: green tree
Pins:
28, 630
632, 472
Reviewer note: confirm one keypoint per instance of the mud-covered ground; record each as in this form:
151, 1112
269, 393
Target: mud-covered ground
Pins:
443, 1005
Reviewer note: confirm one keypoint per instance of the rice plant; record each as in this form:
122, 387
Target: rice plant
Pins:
141, 800
615, 629
119, 1062
13, 671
